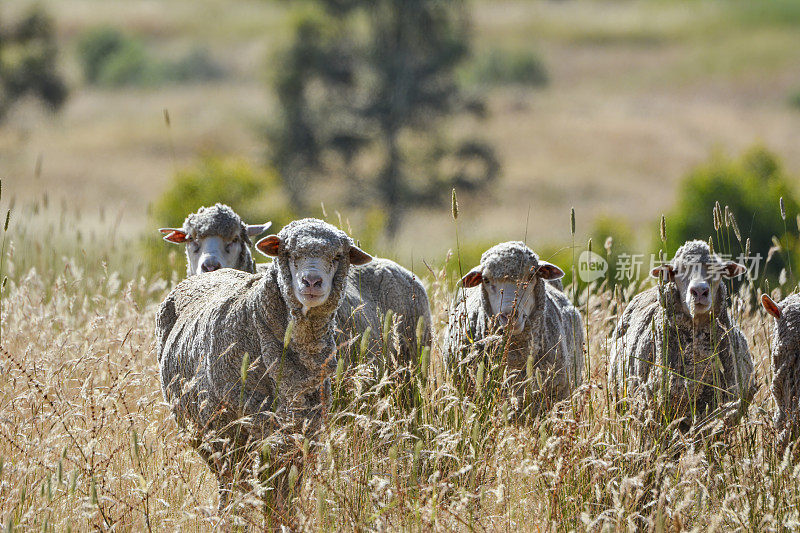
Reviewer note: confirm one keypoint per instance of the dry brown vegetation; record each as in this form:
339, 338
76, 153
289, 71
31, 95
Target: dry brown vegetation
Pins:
86, 441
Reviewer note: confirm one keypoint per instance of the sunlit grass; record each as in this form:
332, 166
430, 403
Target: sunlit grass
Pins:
87, 442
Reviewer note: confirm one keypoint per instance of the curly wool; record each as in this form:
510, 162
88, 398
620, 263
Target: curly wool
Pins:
221, 221
509, 260
375, 288
786, 368
208, 324
695, 252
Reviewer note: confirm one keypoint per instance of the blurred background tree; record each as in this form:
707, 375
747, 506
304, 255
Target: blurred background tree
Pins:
364, 90
28, 62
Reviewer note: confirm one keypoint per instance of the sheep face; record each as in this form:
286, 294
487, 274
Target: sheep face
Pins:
215, 237
511, 302
508, 276
315, 252
312, 275
696, 273
211, 253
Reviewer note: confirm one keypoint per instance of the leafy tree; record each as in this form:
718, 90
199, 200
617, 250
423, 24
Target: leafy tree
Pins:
28, 62
364, 90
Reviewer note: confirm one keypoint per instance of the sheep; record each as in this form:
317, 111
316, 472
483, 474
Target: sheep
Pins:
215, 237
785, 365
377, 288
234, 371
676, 348
508, 296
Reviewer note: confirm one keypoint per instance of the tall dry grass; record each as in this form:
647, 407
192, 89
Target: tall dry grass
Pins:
86, 441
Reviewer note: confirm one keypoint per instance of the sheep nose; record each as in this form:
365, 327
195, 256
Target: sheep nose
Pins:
210, 265
312, 280
699, 292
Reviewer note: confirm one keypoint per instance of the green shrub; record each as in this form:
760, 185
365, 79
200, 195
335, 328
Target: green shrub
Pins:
254, 193
129, 66
197, 65
111, 58
469, 255
507, 67
96, 47
751, 188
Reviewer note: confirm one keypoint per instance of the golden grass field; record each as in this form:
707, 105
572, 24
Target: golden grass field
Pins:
87, 442
640, 92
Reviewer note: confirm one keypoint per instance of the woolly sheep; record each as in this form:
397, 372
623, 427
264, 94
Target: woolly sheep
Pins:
209, 324
677, 345
785, 364
215, 237
379, 287
508, 295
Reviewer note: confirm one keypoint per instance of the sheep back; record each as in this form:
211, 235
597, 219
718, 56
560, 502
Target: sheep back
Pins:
377, 287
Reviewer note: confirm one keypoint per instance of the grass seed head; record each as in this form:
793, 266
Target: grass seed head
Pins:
572, 220
287, 337
244, 368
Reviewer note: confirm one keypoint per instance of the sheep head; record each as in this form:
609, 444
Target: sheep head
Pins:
215, 237
316, 257
696, 273
509, 274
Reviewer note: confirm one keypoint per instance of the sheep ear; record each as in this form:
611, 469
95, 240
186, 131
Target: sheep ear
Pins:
473, 278
549, 271
770, 306
665, 272
175, 235
359, 256
270, 245
733, 269
257, 229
